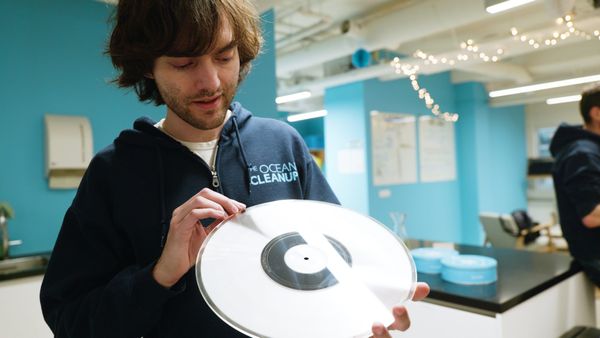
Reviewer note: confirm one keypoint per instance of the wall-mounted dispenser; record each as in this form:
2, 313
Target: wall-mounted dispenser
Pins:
69, 149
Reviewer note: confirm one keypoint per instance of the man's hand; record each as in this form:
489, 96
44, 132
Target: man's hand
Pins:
402, 321
186, 233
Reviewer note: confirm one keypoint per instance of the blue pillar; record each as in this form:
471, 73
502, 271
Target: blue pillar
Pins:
346, 135
491, 150
471, 103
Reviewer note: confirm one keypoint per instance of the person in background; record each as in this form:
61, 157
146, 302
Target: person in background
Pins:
576, 175
122, 265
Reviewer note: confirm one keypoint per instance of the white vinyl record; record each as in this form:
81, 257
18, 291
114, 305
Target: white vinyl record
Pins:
298, 268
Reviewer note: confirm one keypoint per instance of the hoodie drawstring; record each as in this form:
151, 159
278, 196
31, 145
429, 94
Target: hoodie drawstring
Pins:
161, 194
239, 140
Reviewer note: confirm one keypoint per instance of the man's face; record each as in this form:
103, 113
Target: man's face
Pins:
200, 89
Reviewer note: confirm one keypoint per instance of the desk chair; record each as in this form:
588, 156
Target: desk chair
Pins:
551, 235
494, 231
502, 231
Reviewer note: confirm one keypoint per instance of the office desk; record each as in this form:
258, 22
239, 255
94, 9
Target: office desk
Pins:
536, 295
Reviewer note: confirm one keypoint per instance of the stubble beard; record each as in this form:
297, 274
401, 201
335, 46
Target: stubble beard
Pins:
205, 120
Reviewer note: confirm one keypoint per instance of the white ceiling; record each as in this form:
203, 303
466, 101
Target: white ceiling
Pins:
314, 41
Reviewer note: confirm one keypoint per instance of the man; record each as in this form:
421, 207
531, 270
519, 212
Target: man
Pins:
576, 176
122, 264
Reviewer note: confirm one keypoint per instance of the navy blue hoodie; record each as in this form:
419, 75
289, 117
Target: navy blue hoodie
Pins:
99, 283
576, 176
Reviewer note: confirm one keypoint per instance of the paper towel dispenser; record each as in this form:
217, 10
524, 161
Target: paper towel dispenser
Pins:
69, 149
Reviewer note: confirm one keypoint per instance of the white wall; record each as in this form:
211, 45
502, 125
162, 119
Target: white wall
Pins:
541, 202
541, 115
20, 313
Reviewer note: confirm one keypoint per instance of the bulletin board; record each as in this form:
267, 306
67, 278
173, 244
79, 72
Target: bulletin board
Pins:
394, 152
436, 149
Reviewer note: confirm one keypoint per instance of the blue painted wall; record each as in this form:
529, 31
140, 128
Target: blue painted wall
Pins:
471, 154
433, 209
346, 127
258, 91
490, 157
52, 62
508, 153
491, 152
312, 130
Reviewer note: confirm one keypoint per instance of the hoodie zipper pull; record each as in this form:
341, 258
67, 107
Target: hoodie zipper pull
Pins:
213, 169
215, 179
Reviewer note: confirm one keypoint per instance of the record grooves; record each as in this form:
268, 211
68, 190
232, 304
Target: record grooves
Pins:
273, 262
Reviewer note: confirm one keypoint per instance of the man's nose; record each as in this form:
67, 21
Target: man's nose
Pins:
207, 77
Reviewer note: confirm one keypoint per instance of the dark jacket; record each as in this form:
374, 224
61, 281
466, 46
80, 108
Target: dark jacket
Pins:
99, 283
576, 175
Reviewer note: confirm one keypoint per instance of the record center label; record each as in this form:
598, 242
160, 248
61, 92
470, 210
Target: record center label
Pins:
303, 258
291, 262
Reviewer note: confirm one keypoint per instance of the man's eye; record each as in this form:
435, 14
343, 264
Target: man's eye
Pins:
183, 65
225, 56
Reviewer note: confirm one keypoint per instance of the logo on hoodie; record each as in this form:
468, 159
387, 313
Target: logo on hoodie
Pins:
273, 173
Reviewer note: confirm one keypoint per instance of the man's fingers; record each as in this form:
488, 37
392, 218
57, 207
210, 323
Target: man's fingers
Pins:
421, 291
241, 206
214, 224
198, 214
229, 205
207, 199
402, 320
195, 202
379, 331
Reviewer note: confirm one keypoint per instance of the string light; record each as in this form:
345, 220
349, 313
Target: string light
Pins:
568, 30
431, 59
474, 50
411, 71
470, 50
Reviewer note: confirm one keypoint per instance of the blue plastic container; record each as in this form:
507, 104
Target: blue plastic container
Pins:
428, 260
469, 269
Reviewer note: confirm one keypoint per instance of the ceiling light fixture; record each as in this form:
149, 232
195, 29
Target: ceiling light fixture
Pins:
494, 7
306, 116
293, 97
545, 85
564, 99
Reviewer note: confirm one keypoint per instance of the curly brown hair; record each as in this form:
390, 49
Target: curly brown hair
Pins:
147, 29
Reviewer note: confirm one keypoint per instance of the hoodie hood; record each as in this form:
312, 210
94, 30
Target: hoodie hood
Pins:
567, 134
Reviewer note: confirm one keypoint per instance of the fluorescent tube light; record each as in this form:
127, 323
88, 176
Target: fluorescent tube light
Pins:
545, 85
293, 97
564, 99
306, 116
506, 5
